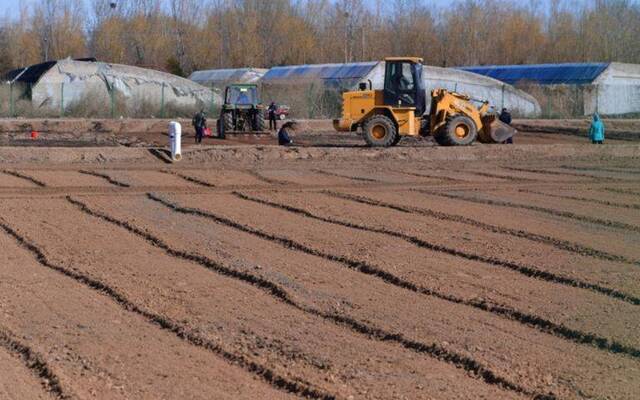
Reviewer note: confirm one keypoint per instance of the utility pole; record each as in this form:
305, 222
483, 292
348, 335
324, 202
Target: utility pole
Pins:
346, 37
363, 43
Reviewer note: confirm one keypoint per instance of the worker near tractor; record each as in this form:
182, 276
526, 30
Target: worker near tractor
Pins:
285, 133
272, 110
199, 123
596, 131
505, 116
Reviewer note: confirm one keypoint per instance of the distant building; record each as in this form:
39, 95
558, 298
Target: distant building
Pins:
574, 89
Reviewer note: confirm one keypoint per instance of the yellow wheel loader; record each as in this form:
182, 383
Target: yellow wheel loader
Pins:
384, 116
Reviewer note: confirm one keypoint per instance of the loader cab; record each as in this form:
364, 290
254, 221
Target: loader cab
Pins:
403, 84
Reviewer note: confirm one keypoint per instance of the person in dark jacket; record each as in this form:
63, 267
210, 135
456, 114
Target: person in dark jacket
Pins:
199, 123
272, 110
505, 116
284, 135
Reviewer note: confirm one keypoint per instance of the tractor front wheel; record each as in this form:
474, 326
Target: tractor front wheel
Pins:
380, 131
459, 131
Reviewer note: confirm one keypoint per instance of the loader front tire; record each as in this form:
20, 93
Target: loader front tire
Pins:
458, 131
380, 131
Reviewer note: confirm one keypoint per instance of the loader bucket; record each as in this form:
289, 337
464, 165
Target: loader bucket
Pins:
495, 131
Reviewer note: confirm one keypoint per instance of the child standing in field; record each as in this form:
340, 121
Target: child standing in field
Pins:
596, 132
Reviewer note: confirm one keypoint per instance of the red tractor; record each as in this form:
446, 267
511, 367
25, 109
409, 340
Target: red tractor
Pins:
282, 112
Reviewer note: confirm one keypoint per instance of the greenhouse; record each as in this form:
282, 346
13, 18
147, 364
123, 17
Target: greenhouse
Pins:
315, 90
574, 89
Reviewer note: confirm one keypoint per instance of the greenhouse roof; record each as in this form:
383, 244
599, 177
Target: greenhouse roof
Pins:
225, 75
321, 71
544, 74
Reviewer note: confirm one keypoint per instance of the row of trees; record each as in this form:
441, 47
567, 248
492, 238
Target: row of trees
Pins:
185, 35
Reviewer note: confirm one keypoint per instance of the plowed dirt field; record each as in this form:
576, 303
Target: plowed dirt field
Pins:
387, 279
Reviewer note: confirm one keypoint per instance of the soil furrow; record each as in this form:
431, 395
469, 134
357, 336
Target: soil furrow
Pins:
525, 270
105, 177
264, 373
556, 213
35, 363
585, 199
555, 242
529, 320
25, 177
432, 350
190, 179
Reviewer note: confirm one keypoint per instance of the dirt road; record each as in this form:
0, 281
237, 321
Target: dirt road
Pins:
341, 278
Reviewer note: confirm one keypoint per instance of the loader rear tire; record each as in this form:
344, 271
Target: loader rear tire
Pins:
459, 131
380, 131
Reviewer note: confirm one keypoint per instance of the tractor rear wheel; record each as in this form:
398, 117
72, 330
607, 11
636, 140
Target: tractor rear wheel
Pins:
227, 120
220, 128
380, 131
459, 130
260, 124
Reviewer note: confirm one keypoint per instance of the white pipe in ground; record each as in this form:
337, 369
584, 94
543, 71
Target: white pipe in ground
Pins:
175, 140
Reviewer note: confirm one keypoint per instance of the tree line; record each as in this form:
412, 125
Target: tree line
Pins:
181, 36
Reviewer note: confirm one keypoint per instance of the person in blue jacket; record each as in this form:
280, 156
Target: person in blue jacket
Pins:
596, 132
284, 135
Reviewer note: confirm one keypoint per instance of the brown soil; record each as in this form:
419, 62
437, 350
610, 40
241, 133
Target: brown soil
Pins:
153, 132
261, 272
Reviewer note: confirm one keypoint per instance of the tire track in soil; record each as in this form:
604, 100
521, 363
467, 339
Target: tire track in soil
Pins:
548, 172
533, 321
354, 178
622, 191
585, 199
505, 177
556, 213
441, 178
270, 181
191, 179
105, 177
35, 363
562, 244
25, 177
473, 367
616, 171
297, 386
